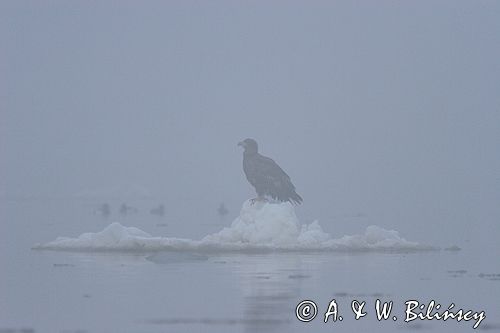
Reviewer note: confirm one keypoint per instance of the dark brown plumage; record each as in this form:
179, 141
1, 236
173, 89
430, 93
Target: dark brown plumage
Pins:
266, 176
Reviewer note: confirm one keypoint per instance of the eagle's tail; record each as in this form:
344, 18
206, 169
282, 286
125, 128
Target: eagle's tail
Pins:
295, 198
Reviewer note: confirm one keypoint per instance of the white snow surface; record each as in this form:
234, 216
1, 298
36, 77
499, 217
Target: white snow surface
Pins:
259, 227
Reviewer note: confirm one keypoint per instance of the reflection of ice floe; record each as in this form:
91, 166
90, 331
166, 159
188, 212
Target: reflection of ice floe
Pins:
176, 257
260, 227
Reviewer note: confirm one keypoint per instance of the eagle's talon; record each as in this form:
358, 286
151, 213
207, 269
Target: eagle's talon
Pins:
254, 200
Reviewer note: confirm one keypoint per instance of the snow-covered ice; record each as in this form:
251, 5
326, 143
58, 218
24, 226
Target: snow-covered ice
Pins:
259, 227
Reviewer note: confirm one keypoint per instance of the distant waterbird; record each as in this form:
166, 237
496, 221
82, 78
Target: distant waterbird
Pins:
159, 211
126, 209
222, 210
103, 210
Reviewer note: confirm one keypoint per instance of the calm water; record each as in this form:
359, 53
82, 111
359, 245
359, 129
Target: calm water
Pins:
44, 291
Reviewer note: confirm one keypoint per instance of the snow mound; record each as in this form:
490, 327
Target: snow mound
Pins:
259, 227
114, 236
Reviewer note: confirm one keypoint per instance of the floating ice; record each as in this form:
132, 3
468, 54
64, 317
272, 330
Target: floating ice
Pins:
114, 236
259, 227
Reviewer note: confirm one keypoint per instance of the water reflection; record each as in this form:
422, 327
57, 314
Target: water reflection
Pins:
271, 285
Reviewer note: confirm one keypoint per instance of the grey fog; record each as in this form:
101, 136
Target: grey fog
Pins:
119, 125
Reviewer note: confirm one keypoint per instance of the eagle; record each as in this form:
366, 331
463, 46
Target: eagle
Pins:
266, 175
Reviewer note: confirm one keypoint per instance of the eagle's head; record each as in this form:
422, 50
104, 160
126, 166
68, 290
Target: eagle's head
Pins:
250, 146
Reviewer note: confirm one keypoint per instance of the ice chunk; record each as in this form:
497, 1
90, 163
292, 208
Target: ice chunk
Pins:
260, 223
377, 238
113, 236
260, 226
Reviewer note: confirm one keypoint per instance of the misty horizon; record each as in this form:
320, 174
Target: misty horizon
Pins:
382, 113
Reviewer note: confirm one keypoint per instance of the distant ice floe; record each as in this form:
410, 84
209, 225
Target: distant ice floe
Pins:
259, 227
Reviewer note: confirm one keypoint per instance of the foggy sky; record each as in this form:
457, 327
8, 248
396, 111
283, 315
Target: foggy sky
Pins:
386, 109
